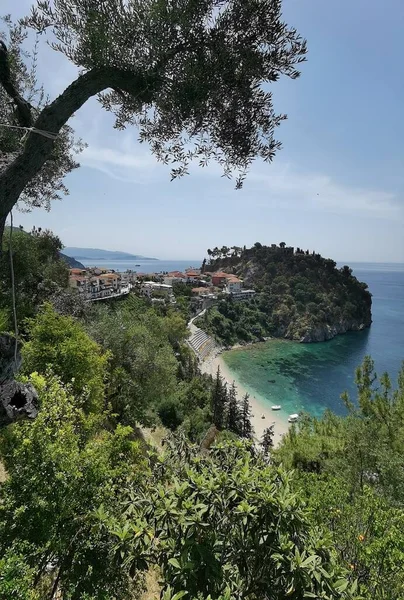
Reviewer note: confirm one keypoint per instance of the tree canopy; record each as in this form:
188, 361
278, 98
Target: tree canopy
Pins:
63, 468
60, 344
39, 272
349, 470
189, 75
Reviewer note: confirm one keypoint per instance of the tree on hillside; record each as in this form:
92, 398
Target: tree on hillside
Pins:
189, 75
267, 441
60, 343
67, 477
142, 366
219, 401
39, 272
234, 421
247, 430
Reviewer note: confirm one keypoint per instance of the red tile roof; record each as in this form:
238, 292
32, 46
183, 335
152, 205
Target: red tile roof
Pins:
222, 274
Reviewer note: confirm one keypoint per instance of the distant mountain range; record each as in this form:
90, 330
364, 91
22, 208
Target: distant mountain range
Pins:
95, 254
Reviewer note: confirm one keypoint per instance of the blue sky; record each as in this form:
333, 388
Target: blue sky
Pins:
337, 186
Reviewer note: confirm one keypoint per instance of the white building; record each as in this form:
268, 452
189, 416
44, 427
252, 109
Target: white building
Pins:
170, 280
233, 285
152, 288
243, 295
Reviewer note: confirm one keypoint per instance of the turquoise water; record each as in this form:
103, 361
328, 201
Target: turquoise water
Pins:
311, 377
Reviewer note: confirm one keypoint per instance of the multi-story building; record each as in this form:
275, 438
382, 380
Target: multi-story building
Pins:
219, 278
233, 285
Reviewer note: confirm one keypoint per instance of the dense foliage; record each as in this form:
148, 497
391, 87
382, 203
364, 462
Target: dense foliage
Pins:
142, 367
300, 296
39, 272
63, 468
86, 511
229, 526
59, 343
350, 471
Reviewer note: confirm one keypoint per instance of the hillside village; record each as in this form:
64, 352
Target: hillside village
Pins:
97, 284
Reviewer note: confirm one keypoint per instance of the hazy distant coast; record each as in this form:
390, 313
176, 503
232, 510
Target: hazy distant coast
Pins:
97, 254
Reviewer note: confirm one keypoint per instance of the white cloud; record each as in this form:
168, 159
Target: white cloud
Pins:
279, 185
127, 166
287, 187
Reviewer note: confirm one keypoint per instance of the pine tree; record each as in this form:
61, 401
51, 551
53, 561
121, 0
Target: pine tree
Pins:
247, 430
234, 414
267, 441
219, 400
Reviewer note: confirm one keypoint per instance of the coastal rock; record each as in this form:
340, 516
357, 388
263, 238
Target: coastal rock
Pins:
17, 401
328, 332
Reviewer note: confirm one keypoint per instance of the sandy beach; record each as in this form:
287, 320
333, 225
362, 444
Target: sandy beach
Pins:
259, 410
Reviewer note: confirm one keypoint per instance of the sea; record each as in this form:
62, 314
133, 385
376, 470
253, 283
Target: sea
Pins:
144, 266
311, 377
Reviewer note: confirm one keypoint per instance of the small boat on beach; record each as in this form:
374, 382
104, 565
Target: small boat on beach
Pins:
276, 407
293, 418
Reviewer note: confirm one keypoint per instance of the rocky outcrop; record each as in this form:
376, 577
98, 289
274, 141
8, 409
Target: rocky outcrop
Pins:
300, 296
17, 400
328, 332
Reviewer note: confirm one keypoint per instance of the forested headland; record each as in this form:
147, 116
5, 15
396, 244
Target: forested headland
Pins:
299, 296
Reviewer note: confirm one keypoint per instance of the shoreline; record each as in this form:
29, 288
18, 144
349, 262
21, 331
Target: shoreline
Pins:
210, 364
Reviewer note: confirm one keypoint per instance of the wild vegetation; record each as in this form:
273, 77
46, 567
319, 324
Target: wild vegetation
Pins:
349, 470
88, 510
300, 296
39, 272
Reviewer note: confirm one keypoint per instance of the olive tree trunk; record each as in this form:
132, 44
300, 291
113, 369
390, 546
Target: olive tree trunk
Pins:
38, 148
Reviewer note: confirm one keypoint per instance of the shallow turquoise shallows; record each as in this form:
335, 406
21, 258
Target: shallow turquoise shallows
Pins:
311, 377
